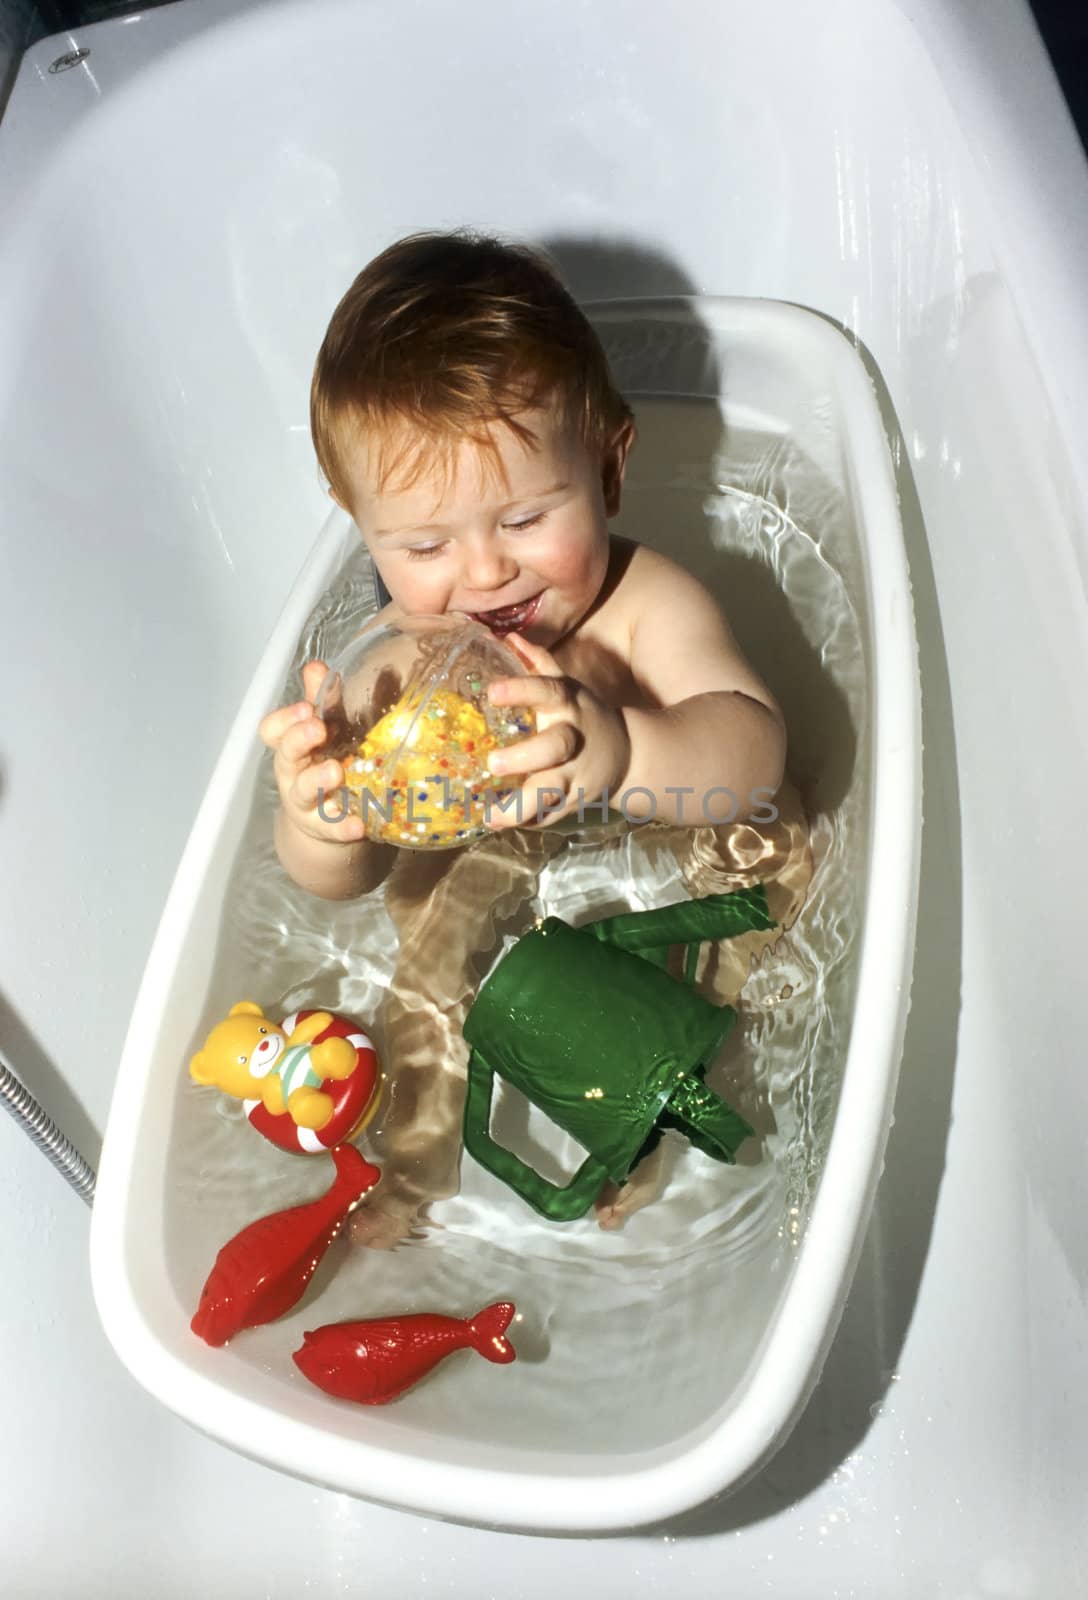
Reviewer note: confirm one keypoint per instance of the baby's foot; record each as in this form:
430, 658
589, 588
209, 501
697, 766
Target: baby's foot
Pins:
381, 1230
616, 1202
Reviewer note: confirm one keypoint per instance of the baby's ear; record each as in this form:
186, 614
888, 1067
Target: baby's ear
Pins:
615, 465
246, 1008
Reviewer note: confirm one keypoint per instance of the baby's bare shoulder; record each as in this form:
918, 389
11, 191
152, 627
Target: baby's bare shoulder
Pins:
656, 596
681, 640
646, 591
653, 579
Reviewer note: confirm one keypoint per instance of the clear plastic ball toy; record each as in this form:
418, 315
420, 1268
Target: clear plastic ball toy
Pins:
408, 716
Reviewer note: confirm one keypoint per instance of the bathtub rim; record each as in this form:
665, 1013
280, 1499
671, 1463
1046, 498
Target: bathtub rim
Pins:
738, 1438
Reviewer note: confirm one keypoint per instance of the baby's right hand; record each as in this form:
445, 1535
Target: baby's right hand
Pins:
295, 735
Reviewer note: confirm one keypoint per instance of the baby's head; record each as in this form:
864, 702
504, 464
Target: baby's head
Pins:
463, 412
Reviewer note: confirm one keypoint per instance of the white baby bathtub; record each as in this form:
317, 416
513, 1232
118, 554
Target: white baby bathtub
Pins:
907, 170
739, 1342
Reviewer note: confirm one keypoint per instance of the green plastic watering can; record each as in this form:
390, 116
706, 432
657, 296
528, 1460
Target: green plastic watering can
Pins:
592, 1029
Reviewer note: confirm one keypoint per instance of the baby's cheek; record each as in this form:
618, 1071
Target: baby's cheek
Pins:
570, 572
420, 592
578, 564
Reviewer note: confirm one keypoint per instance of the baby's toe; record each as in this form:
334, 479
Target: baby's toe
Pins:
379, 1230
608, 1205
610, 1218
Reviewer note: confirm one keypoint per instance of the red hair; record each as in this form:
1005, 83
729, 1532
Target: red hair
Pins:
444, 335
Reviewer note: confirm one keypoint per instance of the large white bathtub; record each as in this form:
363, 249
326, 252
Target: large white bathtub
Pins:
178, 220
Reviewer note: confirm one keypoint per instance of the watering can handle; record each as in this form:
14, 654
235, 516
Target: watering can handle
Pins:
689, 922
558, 1204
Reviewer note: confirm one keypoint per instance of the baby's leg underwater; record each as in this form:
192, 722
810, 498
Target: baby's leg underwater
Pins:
618, 1201
448, 908
718, 860
738, 855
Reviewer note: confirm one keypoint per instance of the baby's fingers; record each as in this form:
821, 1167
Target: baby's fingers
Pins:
276, 726
557, 744
545, 693
320, 794
278, 723
301, 740
542, 800
535, 656
320, 782
314, 674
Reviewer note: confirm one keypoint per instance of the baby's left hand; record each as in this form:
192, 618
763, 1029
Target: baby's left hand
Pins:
579, 753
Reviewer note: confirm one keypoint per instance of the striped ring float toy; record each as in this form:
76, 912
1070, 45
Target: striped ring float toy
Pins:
355, 1099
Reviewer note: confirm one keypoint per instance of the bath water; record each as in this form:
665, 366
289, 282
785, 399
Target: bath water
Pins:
625, 1340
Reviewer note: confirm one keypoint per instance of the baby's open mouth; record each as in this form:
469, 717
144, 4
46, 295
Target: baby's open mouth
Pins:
509, 619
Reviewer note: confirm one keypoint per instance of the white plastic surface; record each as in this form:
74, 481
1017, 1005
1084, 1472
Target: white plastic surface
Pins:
905, 168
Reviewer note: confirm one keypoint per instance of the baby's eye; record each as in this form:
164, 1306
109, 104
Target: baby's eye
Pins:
423, 552
529, 522
242, 1060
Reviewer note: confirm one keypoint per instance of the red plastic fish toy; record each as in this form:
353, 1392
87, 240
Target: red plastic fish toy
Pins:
373, 1362
264, 1270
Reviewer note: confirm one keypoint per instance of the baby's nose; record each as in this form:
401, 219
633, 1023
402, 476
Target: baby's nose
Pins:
487, 565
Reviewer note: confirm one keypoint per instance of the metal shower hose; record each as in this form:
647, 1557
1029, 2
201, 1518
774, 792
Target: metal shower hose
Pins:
45, 1133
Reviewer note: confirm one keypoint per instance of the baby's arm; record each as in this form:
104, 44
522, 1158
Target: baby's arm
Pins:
330, 859
715, 725
706, 724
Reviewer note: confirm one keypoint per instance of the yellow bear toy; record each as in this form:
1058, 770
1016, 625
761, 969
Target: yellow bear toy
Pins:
251, 1057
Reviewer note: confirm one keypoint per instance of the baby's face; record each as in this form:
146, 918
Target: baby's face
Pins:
527, 555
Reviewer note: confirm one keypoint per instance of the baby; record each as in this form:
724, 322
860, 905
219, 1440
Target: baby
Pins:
464, 414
